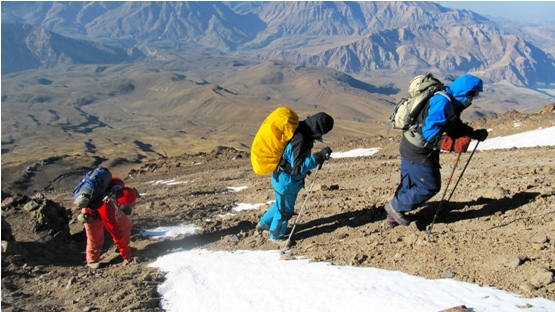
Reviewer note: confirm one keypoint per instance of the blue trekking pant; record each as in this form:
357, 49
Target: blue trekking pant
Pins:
278, 215
418, 184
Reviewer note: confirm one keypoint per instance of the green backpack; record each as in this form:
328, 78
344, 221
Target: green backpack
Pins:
421, 89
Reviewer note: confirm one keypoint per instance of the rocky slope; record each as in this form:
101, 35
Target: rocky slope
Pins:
497, 229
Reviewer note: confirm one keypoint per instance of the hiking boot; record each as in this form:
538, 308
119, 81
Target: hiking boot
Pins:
399, 217
93, 265
390, 222
261, 228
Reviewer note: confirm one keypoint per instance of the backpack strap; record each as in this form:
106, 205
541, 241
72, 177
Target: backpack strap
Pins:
445, 95
110, 197
417, 139
285, 166
414, 135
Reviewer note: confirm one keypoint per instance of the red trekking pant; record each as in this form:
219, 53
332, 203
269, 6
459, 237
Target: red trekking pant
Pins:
109, 216
95, 237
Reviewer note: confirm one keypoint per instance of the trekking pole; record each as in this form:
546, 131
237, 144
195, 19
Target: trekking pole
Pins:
443, 196
460, 176
301, 211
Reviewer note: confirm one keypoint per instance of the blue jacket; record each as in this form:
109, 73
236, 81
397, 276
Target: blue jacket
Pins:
285, 183
441, 111
297, 159
441, 115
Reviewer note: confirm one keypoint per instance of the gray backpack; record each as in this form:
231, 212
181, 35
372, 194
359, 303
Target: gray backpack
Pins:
405, 113
91, 187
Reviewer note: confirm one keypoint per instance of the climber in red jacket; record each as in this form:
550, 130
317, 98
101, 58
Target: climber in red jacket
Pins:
112, 215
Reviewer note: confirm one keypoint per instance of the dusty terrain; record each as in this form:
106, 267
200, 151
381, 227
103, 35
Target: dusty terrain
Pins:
497, 230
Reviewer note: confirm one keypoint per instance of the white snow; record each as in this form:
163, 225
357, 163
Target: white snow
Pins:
170, 231
244, 206
201, 280
539, 137
236, 188
359, 152
166, 182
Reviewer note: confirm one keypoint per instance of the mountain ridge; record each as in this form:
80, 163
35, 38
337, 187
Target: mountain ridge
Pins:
27, 47
308, 33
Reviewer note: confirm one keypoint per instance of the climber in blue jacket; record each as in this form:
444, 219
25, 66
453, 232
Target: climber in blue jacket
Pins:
288, 178
420, 147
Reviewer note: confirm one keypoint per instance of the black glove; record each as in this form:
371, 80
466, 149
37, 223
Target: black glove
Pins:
323, 155
480, 134
128, 210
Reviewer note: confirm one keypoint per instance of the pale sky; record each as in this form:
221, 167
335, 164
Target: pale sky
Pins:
201, 280
522, 11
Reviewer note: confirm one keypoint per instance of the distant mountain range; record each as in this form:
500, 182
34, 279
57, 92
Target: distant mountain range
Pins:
353, 37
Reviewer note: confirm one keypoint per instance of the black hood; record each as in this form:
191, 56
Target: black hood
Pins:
319, 124
310, 129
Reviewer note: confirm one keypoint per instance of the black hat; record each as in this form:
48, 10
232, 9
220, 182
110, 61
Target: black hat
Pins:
320, 124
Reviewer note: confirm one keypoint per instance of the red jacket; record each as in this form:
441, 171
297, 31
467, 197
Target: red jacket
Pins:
108, 212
